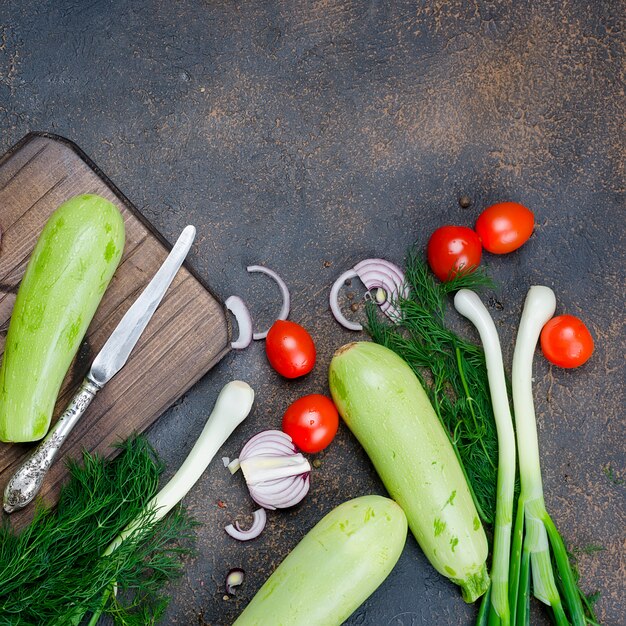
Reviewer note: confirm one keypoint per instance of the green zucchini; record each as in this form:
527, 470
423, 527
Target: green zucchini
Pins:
382, 402
334, 569
66, 277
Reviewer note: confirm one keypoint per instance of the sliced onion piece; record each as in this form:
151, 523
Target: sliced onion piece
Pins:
239, 309
288, 497
379, 275
266, 437
284, 309
276, 474
334, 301
258, 524
382, 274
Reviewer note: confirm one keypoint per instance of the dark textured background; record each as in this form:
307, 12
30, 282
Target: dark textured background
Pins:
309, 135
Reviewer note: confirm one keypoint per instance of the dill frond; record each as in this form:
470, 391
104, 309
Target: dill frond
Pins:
52, 571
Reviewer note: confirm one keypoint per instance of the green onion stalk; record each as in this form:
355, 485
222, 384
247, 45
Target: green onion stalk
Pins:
534, 532
495, 608
233, 405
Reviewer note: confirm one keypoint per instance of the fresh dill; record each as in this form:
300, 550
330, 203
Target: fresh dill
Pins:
52, 571
452, 371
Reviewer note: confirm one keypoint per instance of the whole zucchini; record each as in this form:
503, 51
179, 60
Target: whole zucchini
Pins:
334, 569
67, 274
382, 402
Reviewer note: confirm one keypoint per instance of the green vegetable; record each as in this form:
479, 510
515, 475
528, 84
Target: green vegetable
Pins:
52, 571
232, 406
335, 567
66, 277
384, 405
451, 370
535, 533
469, 304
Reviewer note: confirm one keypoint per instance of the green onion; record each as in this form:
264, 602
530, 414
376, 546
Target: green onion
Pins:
535, 532
468, 304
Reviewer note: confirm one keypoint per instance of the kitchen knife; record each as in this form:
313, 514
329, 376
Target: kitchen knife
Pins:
27, 480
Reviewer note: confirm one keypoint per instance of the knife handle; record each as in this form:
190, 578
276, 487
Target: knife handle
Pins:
25, 484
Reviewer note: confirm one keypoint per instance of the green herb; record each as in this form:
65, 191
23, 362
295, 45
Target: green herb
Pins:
589, 549
451, 369
52, 571
610, 474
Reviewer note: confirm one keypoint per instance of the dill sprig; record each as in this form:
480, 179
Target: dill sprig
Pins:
52, 571
452, 371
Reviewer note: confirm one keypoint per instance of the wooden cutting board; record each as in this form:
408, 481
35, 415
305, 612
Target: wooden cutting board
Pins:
188, 334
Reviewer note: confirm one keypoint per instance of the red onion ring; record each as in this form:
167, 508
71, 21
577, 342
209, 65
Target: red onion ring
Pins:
284, 309
334, 301
374, 274
258, 524
239, 309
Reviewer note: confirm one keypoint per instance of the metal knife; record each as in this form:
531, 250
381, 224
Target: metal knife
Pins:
27, 480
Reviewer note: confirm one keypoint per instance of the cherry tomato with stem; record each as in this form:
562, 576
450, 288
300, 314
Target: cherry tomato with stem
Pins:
452, 250
505, 226
311, 422
566, 341
290, 349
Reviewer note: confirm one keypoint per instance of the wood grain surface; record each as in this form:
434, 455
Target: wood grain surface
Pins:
186, 337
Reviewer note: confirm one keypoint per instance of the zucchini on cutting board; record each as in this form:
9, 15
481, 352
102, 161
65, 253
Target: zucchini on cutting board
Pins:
187, 336
66, 277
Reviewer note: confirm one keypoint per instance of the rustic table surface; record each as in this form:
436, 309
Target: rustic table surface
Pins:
309, 135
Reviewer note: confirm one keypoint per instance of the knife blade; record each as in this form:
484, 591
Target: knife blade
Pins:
28, 479
120, 344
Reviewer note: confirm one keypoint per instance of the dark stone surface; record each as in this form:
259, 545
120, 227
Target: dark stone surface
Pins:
309, 135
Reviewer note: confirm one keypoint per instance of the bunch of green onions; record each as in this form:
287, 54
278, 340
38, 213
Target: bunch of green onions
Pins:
534, 533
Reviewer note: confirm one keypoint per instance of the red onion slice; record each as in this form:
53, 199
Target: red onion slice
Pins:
288, 497
239, 309
258, 524
284, 309
334, 301
267, 436
374, 274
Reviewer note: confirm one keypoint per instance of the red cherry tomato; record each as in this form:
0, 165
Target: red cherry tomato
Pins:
290, 349
453, 249
566, 341
311, 422
505, 226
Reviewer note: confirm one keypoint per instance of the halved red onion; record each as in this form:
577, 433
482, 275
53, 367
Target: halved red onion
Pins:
239, 309
276, 474
375, 274
258, 524
284, 309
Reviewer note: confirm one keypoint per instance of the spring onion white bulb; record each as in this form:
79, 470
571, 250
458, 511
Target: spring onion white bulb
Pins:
232, 406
